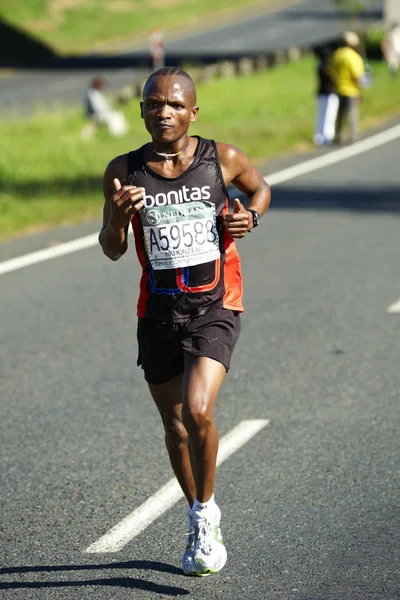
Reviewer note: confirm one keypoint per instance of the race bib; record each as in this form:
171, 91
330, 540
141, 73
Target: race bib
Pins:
180, 236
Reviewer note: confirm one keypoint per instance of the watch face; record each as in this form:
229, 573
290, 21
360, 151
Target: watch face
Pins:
256, 218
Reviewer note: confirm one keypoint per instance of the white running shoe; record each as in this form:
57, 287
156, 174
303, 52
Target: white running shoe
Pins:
209, 552
187, 559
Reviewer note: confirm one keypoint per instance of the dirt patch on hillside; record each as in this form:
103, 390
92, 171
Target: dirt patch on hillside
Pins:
56, 10
166, 3
122, 6
40, 25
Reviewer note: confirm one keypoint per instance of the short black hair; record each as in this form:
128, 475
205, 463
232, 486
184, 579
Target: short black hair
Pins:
171, 72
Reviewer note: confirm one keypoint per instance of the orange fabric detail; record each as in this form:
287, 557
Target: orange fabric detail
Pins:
199, 288
232, 273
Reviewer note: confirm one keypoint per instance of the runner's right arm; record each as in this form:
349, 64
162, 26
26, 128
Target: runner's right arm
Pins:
121, 202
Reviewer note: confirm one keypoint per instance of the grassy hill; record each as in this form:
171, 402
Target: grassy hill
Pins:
79, 25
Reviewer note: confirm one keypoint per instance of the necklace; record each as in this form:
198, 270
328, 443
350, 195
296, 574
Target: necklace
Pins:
165, 155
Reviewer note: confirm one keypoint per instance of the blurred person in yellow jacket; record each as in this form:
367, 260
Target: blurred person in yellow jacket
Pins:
348, 70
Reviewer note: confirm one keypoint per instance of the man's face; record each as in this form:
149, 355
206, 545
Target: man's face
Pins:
168, 108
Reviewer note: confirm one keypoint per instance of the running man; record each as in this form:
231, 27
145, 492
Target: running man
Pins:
173, 190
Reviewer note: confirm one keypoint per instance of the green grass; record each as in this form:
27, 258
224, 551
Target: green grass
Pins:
49, 176
72, 25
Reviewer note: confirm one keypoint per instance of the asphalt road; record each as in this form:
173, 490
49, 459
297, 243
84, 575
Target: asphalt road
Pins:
310, 505
304, 23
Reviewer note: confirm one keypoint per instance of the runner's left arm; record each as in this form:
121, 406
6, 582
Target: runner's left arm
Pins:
239, 171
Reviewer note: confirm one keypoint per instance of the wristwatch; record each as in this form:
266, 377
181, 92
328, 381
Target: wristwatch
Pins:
256, 217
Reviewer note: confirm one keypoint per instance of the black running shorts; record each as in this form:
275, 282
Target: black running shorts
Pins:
162, 344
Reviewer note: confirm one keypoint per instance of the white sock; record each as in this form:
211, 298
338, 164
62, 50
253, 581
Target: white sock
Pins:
200, 506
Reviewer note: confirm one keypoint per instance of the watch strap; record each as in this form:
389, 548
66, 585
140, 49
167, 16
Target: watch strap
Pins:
256, 216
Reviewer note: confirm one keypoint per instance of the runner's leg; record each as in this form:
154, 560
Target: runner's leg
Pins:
202, 380
168, 399
203, 377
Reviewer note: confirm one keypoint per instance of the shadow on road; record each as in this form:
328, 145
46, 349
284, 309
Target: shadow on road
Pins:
124, 582
318, 15
146, 565
351, 199
354, 198
359, 199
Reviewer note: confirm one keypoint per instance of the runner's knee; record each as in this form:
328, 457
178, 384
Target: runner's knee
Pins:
197, 418
175, 432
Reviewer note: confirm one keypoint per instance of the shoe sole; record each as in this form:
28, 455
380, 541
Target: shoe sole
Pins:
205, 573
200, 571
194, 573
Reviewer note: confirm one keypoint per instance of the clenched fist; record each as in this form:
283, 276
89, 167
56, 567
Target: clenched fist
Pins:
124, 203
238, 222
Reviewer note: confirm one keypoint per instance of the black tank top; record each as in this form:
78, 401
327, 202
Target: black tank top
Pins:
190, 263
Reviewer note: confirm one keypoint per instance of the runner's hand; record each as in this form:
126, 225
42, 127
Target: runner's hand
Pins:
124, 203
238, 222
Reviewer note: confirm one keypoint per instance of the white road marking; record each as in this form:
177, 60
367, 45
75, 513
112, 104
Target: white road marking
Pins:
275, 178
394, 308
41, 255
336, 156
138, 520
